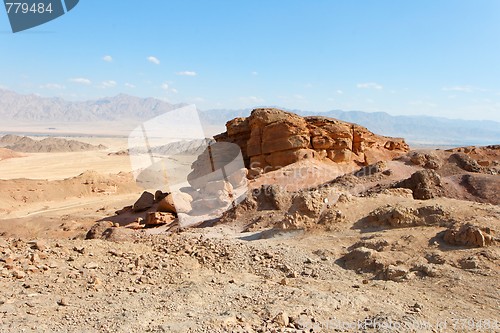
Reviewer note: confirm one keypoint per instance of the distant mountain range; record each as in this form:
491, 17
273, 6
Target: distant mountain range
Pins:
423, 130
32, 109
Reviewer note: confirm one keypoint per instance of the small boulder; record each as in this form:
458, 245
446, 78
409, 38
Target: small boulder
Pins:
166, 205
98, 229
396, 273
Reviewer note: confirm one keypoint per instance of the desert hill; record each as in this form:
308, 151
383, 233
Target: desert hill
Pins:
7, 153
29, 145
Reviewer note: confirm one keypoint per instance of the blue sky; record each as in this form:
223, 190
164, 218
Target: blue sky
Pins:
403, 57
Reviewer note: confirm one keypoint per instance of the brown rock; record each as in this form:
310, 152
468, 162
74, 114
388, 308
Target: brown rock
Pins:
159, 195
398, 216
135, 225
18, 274
167, 205
466, 162
363, 259
425, 184
158, 218
39, 245
98, 229
119, 235
282, 319
396, 273
175, 203
146, 201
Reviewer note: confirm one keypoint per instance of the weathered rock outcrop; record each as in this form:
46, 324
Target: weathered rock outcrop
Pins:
425, 185
469, 235
271, 138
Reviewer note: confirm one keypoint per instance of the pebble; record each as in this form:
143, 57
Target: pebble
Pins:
34, 258
18, 274
39, 245
91, 265
282, 319
80, 250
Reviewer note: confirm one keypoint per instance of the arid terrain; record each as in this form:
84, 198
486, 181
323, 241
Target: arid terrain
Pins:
339, 230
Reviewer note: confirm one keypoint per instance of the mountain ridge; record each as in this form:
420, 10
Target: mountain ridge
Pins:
416, 129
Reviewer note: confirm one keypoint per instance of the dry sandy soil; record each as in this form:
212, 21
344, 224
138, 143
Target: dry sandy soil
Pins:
281, 262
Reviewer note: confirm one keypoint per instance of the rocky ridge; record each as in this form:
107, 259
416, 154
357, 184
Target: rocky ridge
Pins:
28, 145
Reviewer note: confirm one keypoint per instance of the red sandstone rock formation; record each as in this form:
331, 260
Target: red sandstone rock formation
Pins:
271, 138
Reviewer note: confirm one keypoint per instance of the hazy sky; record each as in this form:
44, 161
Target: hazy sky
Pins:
404, 57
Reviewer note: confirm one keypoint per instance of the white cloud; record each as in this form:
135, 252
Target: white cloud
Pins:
108, 84
52, 86
466, 89
339, 92
370, 85
165, 86
107, 58
3, 87
298, 96
154, 60
254, 73
81, 80
187, 73
129, 85
175, 91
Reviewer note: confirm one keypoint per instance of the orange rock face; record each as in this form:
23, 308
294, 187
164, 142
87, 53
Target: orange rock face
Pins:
271, 138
